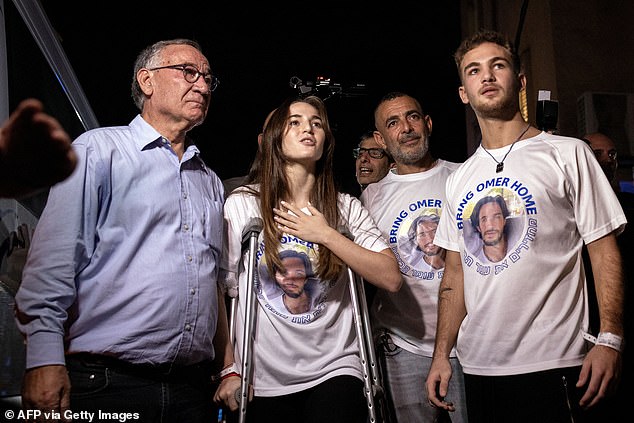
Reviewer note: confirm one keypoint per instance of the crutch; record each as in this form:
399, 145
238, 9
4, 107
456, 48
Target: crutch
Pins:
250, 236
373, 384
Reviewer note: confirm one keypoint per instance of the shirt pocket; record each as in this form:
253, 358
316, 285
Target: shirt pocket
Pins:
212, 223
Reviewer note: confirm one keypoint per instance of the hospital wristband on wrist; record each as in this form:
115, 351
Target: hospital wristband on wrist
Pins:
229, 371
607, 339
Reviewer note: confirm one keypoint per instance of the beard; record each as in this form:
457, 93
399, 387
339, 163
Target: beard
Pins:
609, 170
431, 252
294, 294
505, 109
411, 156
495, 241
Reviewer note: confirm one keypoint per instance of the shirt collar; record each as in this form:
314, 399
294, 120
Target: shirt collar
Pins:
146, 137
144, 134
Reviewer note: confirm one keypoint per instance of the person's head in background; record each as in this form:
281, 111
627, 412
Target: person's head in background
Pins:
254, 170
372, 162
605, 151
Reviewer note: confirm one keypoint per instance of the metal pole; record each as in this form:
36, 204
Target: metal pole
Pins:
373, 387
251, 233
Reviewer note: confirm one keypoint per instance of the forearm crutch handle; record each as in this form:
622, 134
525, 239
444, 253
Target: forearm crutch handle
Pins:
250, 236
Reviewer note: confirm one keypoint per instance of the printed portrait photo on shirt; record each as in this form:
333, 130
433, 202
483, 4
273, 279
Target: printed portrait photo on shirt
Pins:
419, 256
294, 289
493, 225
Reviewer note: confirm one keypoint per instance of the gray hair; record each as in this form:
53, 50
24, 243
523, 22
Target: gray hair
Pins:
150, 57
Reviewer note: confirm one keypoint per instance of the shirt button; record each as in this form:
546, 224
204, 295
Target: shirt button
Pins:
192, 291
188, 327
189, 258
186, 227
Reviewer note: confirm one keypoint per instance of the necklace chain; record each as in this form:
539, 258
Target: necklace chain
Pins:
500, 165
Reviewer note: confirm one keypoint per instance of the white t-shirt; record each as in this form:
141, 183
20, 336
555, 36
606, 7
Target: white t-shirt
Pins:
293, 352
396, 202
526, 312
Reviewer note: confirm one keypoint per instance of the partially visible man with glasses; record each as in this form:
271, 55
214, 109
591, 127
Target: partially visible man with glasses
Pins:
372, 162
605, 151
118, 301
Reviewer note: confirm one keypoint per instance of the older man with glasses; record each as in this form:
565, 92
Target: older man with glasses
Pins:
119, 300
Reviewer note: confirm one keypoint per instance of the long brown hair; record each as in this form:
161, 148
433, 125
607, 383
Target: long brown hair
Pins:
274, 185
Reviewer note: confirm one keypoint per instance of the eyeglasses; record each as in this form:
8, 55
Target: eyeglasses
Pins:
612, 154
375, 153
191, 75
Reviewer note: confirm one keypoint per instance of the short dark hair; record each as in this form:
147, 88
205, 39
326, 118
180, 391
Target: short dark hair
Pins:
391, 96
397, 94
487, 36
370, 134
367, 134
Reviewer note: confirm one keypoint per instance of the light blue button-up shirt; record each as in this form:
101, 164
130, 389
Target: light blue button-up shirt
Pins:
124, 257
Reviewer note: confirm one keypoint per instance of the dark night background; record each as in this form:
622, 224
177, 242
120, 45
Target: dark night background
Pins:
255, 50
